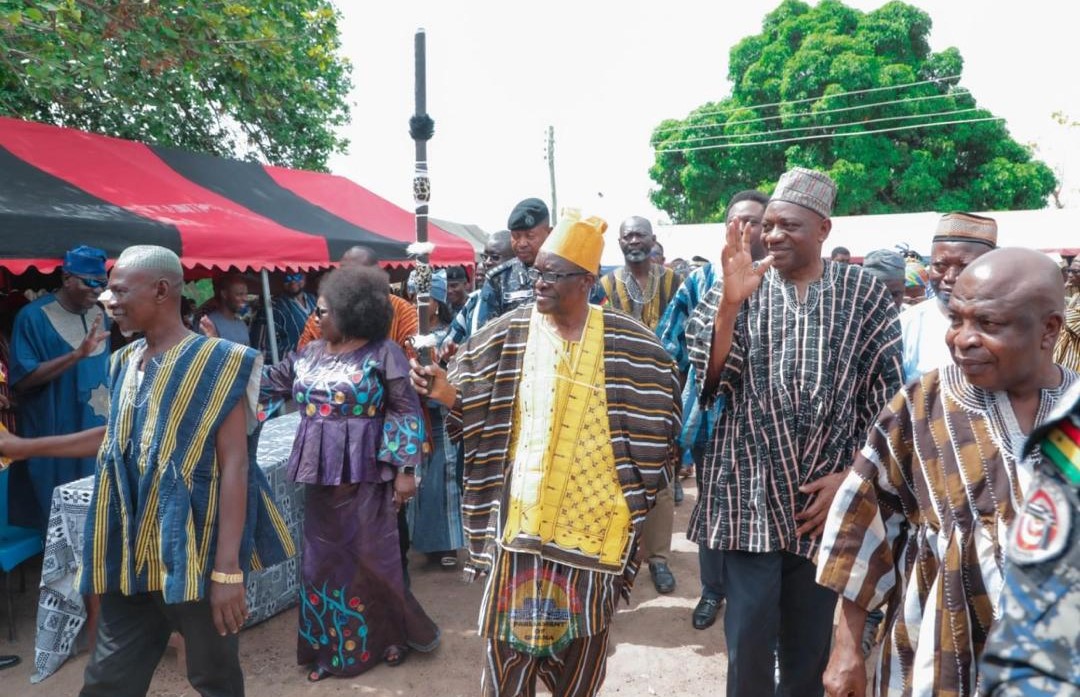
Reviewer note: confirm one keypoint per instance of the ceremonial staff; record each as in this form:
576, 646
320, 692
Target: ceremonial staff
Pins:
421, 128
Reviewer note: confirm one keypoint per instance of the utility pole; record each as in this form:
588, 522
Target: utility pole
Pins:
551, 172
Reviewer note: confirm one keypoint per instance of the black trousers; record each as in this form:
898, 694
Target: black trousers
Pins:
774, 608
132, 633
710, 561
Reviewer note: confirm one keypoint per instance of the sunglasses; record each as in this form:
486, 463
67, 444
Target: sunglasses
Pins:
294, 278
93, 283
321, 312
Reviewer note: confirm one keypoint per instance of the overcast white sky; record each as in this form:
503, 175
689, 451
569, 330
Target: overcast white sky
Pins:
605, 73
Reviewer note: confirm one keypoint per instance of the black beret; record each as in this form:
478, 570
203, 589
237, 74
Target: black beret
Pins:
528, 214
456, 273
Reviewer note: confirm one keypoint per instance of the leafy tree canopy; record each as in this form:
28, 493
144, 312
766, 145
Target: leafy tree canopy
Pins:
250, 78
792, 83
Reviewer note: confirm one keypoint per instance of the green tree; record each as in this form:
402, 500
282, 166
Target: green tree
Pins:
259, 79
792, 83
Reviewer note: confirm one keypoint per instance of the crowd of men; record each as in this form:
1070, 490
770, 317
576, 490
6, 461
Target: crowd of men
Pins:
886, 454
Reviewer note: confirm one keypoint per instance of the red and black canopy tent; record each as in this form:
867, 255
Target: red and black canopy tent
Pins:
60, 188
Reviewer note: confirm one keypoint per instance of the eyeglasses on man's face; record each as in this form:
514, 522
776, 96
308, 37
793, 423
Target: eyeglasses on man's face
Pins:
551, 277
321, 312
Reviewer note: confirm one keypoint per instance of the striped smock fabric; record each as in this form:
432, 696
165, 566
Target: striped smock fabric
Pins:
920, 524
1067, 350
643, 411
648, 313
802, 383
153, 519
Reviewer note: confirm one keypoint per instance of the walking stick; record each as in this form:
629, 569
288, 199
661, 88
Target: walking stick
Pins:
422, 128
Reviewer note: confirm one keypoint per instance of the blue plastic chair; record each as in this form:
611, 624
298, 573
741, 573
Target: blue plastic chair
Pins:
16, 546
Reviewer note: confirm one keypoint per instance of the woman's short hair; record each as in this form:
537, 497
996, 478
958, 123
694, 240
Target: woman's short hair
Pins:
359, 301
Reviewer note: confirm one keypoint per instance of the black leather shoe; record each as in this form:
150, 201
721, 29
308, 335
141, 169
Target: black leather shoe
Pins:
705, 613
9, 661
662, 577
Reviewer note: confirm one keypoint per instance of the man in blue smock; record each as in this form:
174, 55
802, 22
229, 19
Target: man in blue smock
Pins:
59, 366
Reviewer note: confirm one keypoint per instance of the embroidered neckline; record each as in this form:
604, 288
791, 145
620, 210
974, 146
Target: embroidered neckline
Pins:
790, 292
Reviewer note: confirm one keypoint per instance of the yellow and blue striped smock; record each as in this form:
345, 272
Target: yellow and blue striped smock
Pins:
153, 517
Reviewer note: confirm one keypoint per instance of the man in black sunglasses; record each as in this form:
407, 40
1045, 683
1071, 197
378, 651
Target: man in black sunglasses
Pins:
59, 365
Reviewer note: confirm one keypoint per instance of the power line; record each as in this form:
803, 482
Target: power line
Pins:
732, 136
721, 146
824, 96
811, 114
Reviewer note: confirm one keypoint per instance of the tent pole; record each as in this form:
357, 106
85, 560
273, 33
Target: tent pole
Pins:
268, 306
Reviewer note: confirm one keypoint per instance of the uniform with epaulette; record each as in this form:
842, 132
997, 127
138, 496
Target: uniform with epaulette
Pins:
1034, 649
508, 285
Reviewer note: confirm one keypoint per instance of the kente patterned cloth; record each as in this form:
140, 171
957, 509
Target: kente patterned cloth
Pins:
920, 524
153, 520
564, 500
404, 324
646, 304
359, 414
1067, 350
803, 382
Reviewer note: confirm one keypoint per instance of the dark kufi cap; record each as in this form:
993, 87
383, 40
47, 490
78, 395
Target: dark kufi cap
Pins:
885, 264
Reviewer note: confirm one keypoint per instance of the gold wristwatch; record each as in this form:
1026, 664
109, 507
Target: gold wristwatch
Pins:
219, 577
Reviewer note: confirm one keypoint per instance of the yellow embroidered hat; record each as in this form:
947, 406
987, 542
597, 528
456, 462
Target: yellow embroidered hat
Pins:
576, 240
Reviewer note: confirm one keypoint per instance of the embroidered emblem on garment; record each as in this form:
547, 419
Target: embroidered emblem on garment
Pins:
1042, 529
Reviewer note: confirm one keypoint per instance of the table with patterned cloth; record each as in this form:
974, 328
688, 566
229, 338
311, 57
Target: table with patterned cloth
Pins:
61, 613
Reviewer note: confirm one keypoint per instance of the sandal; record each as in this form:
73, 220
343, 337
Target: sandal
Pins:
395, 655
448, 561
318, 673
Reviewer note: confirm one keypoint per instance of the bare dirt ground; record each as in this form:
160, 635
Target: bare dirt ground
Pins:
654, 649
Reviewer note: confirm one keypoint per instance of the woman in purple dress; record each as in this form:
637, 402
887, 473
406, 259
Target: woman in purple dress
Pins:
358, 443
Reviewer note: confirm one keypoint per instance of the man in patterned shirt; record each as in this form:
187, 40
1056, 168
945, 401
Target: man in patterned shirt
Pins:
568, 413
744, 208
805, 353
642, 289
920, 522
179, 511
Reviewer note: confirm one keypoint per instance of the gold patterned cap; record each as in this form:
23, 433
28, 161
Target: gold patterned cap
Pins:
966, 227
807, 188
576, 240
